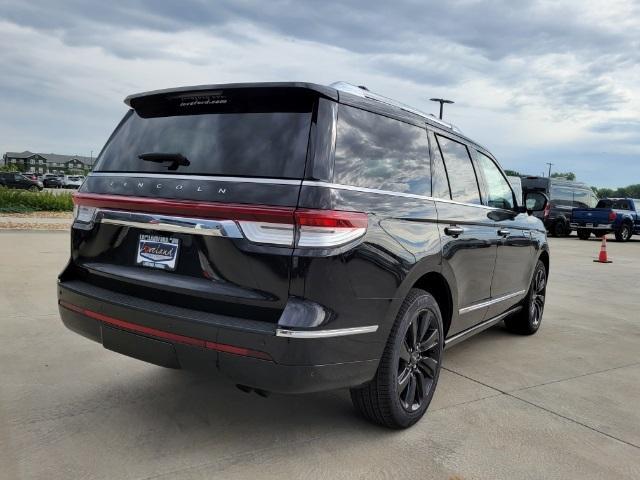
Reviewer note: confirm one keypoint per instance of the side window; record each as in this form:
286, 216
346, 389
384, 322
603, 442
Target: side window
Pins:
374, 151
462, 176
439, 181
582, 198
561, 196
499, 193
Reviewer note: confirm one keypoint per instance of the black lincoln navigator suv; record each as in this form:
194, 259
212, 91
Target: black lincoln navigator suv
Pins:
295, 237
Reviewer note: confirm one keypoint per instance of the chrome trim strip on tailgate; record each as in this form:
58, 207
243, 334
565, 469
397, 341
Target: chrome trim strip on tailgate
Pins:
339, 332
168, 223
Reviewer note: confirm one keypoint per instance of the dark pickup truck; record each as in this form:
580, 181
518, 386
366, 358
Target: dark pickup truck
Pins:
617, 215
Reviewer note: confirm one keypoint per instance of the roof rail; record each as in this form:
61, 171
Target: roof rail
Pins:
364, 92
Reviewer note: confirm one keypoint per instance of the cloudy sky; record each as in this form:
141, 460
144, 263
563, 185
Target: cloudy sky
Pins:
534, 80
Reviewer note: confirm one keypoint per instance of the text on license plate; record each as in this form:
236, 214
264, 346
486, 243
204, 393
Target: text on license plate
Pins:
157, 252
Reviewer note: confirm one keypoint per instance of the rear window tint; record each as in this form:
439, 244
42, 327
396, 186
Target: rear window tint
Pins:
375, 151
462, 176
252, 139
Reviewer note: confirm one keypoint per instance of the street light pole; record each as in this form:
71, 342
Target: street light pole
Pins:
549, 168
441, 101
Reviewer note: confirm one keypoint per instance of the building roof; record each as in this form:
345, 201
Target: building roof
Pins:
52, 157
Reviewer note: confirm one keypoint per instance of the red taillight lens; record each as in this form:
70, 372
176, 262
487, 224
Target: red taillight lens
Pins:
547, 210
329, 228
612, 216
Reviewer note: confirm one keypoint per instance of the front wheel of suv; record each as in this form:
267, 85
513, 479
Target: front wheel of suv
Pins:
406, 379
527, 320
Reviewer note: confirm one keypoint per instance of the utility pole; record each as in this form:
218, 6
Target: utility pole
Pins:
549, 168
441, 101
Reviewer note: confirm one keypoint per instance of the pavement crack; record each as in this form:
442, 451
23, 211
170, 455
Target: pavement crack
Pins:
573, 420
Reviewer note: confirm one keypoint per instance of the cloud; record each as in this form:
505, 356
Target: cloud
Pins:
528, 77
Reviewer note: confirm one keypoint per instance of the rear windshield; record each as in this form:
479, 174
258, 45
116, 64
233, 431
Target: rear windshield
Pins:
219, 134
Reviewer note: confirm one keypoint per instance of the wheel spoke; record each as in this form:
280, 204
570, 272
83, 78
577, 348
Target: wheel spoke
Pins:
404, 352
429, 366
403, 380
424, 325
413, 329
422, 385
430, 342
411, 391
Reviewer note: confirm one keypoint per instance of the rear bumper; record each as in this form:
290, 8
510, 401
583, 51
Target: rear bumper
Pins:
592, 227
247, 352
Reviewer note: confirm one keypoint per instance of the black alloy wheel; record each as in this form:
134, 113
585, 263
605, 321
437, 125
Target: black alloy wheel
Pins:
406, 379
418, 360
527, 320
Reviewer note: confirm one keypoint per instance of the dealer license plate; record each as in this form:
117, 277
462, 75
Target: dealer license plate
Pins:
157, 252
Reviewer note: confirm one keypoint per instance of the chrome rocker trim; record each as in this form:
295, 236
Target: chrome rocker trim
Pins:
459, 337
493, 301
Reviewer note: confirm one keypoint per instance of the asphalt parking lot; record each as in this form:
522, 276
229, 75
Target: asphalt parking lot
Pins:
562, 404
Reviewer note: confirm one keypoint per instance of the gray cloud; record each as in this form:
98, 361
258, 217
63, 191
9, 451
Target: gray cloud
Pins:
559, 61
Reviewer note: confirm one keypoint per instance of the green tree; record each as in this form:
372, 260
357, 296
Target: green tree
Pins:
568, 175
512, 173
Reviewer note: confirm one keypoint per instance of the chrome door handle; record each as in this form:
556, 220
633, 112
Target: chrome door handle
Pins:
453, 231
503, 232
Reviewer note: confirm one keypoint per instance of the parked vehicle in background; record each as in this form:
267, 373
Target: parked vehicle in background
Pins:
17, 180
617, 215
516, 184
52, 180
72, 181
295, 238
564, 196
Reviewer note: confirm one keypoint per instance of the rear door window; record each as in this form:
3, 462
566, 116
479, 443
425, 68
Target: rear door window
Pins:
499, 193
374, 151
439, 181
237, 136
460, 171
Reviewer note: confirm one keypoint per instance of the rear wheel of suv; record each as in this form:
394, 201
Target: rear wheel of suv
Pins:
406, 379
584, 234
527, 320
559, 229
624, 233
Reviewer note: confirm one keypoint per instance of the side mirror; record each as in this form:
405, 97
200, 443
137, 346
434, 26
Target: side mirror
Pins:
535, 202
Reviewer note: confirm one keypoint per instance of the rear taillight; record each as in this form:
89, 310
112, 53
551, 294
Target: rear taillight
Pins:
612, 216
329, 228
547, 210
310, 229
284, 226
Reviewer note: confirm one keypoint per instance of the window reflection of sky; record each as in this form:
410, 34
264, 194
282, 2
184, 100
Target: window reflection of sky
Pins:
374, 151
462, 177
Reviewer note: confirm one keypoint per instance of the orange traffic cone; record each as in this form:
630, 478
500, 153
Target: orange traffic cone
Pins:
602, 258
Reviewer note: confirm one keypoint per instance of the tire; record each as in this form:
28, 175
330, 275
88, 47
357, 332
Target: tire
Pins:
400, 393
33, 188
583, 234
527, 321
560, 229
624, 233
